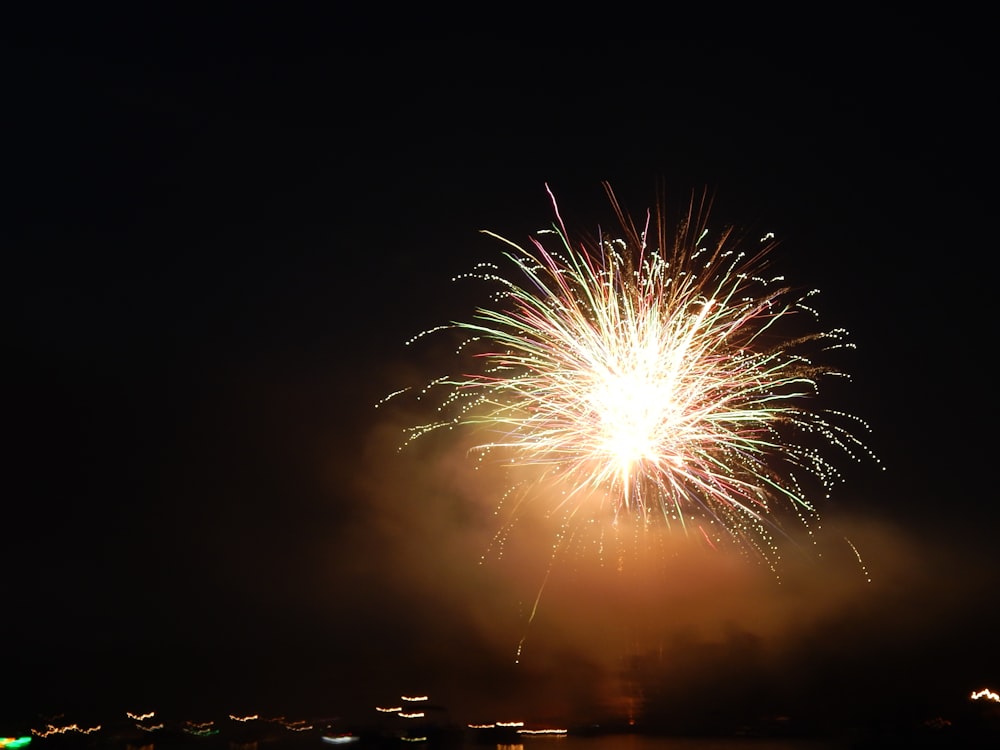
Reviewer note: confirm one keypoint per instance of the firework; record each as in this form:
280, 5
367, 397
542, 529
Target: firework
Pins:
660, 371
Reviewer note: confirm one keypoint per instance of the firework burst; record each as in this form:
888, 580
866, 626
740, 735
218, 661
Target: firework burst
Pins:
656, 375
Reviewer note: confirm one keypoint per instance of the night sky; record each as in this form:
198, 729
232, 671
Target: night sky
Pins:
219, 232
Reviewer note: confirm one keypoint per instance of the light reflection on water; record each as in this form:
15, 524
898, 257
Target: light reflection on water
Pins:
622, 742
641, 742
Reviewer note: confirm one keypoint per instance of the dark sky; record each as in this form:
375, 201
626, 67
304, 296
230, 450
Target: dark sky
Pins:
219, 232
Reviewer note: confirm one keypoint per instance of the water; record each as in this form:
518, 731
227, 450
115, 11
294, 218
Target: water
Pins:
872, 740
982, 735
638, 742
604, 742
851, 741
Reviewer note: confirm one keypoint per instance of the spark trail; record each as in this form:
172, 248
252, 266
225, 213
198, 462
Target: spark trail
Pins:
657, 375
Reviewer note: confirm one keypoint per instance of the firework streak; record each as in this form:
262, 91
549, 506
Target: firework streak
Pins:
673, 383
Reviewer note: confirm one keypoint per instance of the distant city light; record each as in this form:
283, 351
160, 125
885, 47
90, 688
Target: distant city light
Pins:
339, 739
986, 694
201, 729
51, 730
292, 725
